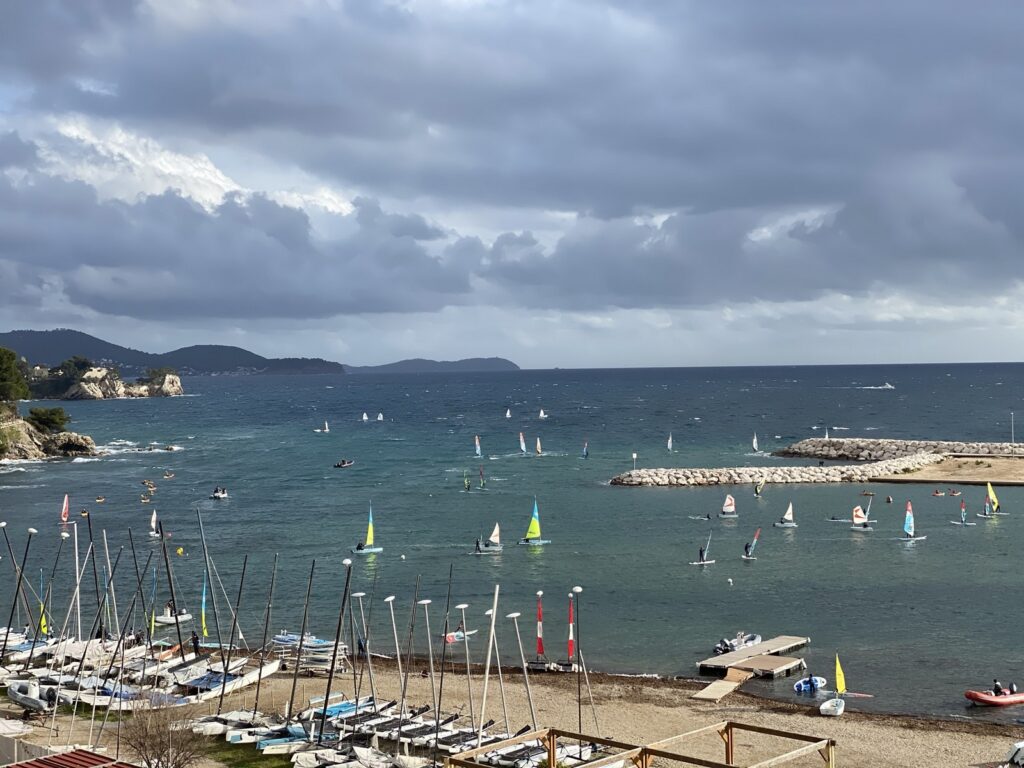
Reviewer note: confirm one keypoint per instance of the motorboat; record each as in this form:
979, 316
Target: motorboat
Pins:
742, 640
992, 699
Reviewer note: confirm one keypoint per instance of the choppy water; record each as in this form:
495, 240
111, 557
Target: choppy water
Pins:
915, 625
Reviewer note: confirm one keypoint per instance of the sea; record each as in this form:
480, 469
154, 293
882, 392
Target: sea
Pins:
915, 625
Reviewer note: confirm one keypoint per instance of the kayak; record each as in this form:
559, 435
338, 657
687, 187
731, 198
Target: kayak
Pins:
989, 699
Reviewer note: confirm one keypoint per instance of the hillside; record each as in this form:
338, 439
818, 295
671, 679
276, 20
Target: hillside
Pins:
420, 365
53, 347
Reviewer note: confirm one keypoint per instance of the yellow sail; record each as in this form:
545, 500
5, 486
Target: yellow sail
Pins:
369, 529
533, 532
992, 497
840, 678
42, 620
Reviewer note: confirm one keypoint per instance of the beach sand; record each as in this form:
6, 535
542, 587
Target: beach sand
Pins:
642, 710
998, 470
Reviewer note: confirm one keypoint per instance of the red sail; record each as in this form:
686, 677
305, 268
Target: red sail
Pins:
540, 627
572, 640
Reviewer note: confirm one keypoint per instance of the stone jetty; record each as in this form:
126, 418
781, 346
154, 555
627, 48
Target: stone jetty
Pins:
879, 457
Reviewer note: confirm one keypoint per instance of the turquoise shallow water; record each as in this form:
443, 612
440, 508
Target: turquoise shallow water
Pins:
916, 625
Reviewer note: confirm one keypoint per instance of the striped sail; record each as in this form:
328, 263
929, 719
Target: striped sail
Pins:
908, 521
729, 507
859, 518
64, 509
202, 609
369, 528
963, 511
533, 532
757, 535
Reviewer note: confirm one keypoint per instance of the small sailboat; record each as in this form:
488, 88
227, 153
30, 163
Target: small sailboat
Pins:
542, 415
670, 442
760, 486
754, 444
908, 526
154, 531
508, 413
168, 475
380, 416
365, 417
366, 547
539, 450
702, 557
476, 441
586, 451
859, 520
835, 706
522, 444
728, 507
748, 553
993, 501
532, 536
963, 516
787, 520
65, 509
491, 546
325, 428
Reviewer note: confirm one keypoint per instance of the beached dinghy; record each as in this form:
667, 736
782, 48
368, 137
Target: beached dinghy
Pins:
787, 520
835, 706
809, 684
31, 696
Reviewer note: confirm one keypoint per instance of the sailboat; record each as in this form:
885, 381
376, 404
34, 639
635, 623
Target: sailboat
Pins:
859, 520
522, 444
787, 519
154, 532
476, 440
65, 509
539, 451
728, 507
532, 536
365, 417
542, 415
749, 554
963, 515
754, 443
366, 547
508, 413
491, 546
908, 526
586, 450
704, 561
993, 501
834, 707
760, 486
380, 416
326, 428
670, 442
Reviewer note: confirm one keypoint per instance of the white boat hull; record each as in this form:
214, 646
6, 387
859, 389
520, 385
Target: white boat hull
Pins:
832, 707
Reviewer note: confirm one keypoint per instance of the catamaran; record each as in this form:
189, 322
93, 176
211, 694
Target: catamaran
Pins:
963, 515
532, 536
366, 547
748, 553
326, 428
859, 520
835, 706
476, 440
729, 507
365, 417
702, 558
670, 442
491, 546
522, 444
754, 443
908, 526
787, 519
380, 416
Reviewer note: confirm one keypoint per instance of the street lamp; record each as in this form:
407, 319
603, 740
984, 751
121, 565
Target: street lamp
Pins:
634, 461
579, 666
526, 675
469, 680
430, 652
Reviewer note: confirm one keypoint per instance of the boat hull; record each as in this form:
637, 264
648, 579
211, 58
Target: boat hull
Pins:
785, 525
832, 707
989, 699
366, 550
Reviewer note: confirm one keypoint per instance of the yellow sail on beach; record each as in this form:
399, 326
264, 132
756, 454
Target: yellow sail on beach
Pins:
369, 529
533, 532
840, 678
992, 497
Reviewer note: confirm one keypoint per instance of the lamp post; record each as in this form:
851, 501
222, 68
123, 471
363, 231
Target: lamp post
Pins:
579, 667
526, 675
1012, 436
634, 461
469, 680
430, 653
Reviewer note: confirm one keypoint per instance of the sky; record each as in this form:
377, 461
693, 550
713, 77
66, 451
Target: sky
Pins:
570, 183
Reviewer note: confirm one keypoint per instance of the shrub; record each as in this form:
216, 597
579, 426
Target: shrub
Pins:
48, 420
12, 383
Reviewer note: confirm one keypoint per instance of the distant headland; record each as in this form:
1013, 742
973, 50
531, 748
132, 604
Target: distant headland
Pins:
54, 346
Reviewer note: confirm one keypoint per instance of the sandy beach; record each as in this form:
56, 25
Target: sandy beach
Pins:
642, 710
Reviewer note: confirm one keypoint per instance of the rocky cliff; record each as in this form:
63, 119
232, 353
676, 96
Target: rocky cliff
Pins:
103, 384
20, 440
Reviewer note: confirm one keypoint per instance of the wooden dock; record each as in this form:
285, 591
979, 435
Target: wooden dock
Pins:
762, 660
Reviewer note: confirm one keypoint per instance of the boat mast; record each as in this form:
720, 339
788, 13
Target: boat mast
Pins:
231, 637
487, 667
170, 584
526, 674
298, 649
469, 679
334, 655
263, 645
17, 588
408, 662
213, 594
444, 652
46, 598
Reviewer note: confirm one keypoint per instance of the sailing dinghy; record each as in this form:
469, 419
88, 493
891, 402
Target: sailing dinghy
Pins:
532, 536
908, 526
542, 415
703, 557
728, 507
366, 547
380, 417
859, 520
963, 516
749, 553
154, 531
491, 546
365, 417
326, 428
508, 413
787, 519
835, 706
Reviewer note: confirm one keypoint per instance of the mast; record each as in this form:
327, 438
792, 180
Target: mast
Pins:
17, 589
526, 674
337, 642
263, 645
469, 679
444, 651
46, 598
408, 663
170, 584
95, 572
302, 638
213, 594
487, 667
231, 637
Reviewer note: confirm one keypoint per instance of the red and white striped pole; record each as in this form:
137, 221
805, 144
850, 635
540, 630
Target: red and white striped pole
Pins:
540, 626
572, 637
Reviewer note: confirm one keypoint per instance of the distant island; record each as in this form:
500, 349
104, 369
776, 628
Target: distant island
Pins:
51, 348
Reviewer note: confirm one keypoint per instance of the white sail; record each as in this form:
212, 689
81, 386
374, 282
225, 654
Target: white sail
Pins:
859, 518
522, 443
542, 415
327, 427
754, 443
477, 446
152, 524
538, 447
670, 442
380, 417
495, 537
365, 417
788, 517
508, 413
826, 433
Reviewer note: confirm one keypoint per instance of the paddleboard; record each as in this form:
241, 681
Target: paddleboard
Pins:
747, 557
706, 562
861, 528
911, 538
726, 516
705, 519
957, 522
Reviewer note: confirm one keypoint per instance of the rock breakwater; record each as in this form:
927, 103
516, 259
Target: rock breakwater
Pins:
834, 473
866, 449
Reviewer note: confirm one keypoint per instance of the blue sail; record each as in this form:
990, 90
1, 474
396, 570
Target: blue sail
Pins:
908, 522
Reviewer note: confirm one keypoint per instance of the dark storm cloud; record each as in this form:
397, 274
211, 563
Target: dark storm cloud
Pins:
795, 149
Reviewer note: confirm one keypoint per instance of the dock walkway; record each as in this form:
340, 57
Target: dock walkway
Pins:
763, 659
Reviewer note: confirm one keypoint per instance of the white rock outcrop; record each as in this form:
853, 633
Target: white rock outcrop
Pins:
868, 449
104, 384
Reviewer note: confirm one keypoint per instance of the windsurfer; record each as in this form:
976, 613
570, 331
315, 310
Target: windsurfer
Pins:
746, 549
478, 548
700, 555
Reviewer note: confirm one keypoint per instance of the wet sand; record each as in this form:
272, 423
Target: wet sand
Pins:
642, 710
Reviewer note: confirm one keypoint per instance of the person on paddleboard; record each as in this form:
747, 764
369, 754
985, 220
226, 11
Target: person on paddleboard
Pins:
700, 555
478, 549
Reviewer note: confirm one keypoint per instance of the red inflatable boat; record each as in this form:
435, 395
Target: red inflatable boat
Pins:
989, 699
